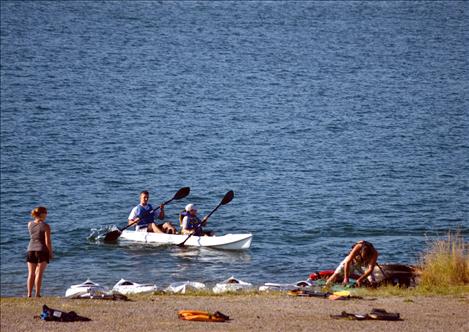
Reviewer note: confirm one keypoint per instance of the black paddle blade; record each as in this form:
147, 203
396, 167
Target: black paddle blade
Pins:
181, 193
112, 236
182, 243
228, 197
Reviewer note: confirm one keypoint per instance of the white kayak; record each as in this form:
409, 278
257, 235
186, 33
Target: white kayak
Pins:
87, 287
232, 285
227, 241
185, 286
127, 287
268, 286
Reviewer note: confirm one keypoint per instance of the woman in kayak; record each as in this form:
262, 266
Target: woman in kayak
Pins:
39, 249
191, 223
144, 215
361, 259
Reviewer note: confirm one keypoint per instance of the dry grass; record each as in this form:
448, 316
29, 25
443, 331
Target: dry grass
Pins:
446, 264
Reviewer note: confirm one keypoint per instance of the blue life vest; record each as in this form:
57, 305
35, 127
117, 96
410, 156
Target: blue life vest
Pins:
145, 216
193, 222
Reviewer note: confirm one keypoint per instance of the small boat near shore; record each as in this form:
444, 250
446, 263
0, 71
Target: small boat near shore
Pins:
232, 285
127, 287
268, 286
85, 288
227, 241
185, 286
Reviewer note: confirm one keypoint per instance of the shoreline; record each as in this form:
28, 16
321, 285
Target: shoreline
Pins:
272, 311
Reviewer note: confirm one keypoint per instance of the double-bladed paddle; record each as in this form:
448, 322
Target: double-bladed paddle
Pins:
114, 235
226, 199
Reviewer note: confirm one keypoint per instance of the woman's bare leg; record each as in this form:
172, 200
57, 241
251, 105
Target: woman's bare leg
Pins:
31, 278
39, 273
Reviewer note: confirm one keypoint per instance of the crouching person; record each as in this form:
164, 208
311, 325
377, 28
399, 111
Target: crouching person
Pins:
361, 260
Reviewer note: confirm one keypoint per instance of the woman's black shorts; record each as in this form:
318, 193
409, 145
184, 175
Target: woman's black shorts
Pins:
36, 257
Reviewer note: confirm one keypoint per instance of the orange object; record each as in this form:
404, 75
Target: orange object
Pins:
202, 316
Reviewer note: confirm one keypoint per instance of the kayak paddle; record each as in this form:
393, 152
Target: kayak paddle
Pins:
226, 199
114, 235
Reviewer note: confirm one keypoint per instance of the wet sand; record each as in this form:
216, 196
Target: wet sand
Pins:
276, 312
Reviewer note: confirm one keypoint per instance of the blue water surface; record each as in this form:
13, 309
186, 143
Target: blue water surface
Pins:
331, 121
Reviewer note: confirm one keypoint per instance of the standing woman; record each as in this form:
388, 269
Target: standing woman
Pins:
39, 249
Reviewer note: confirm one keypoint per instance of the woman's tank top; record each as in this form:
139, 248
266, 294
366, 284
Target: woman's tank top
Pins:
37, 231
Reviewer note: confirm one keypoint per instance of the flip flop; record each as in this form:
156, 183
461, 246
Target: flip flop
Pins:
347, 315
376, 314
381, 314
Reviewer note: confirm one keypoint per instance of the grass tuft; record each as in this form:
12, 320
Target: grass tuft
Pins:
445, 264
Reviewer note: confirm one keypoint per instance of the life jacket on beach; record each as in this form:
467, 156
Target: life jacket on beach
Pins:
146, 217
202, 316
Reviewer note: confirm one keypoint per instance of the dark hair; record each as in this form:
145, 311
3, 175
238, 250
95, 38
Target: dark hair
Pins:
145, 192
367, 251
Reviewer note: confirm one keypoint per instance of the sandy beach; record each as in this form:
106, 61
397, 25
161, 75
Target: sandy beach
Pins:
276, 312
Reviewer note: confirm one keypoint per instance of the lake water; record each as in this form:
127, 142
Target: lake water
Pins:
331, 121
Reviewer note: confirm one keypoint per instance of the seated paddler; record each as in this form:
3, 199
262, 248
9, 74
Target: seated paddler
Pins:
360, 261
143, 216
191, 223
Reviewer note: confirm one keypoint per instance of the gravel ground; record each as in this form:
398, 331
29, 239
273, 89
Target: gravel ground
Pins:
278, 312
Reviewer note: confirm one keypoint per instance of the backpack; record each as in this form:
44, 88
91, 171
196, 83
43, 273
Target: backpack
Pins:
49, 314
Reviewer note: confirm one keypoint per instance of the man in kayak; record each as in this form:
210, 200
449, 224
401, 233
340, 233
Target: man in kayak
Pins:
191, 223
144, 216
361, 260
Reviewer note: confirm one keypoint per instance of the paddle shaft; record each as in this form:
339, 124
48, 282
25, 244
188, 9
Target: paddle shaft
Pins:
151, 211
189, 236
213, 211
